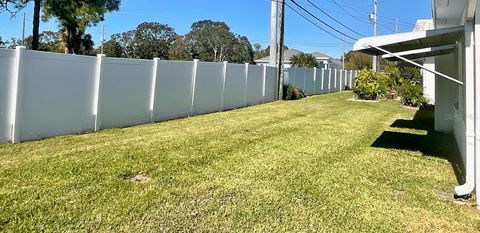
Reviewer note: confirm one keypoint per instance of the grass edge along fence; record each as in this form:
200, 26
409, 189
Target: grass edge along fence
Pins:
46, 94
314, 81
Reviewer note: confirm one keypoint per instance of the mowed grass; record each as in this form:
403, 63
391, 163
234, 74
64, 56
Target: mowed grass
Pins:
321, 164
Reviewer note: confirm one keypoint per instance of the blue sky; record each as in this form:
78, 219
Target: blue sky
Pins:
250, 18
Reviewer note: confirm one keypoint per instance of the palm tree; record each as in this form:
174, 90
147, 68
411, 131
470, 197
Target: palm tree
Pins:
304, 60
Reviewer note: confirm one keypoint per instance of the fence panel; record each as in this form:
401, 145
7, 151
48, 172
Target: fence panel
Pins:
309, 82
63, 94
235, 87
254, 85
125, 91
288, 76
208, 88
271, 84
57, 95
300, 78
7, 63
173, 90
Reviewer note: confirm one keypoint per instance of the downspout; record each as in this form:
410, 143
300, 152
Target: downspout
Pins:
477, 108
469, 88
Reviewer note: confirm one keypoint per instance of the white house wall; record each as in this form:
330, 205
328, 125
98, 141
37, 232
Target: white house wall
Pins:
429, 80
445, 94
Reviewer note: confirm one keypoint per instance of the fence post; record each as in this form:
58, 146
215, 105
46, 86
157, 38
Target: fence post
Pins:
264, 81
17, 88
194, 80
340, 88
314, 81
351, 78
154, 83
329, 80
97, 92
224, 80
335, 81
246, 85
323, 80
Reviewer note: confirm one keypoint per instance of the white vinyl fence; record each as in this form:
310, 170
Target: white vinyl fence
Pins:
46, 94
320, 81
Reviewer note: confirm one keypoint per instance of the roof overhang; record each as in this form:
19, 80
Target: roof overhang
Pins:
422, 53
409, 41
448, 13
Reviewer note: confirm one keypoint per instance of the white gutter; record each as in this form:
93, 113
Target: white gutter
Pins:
434, 13
424, 50
471, 7
469, 77
418, 65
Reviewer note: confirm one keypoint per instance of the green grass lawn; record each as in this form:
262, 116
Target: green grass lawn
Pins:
318, 164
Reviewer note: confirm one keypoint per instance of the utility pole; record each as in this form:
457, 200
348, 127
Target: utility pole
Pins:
373, 18
103, 38
280, 49
273, 34
343, 54
23, 29
396, 26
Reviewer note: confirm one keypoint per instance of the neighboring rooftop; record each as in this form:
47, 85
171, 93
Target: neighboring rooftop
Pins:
289, 53
423, 25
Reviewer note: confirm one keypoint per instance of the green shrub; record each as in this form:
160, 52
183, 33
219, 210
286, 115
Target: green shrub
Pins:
412, 95
370, 85
292, 93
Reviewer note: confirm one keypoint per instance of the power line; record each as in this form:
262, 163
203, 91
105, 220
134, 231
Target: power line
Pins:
350, 14
331, 17
312, 22
405, 23
323, 22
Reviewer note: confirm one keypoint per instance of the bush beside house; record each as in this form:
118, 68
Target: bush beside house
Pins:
370, 85
404, 81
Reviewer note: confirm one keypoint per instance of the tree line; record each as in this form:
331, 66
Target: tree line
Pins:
208, 40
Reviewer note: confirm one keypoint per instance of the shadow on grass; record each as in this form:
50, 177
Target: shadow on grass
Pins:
433, 144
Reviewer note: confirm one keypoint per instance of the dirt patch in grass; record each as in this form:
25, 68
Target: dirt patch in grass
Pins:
140, 178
